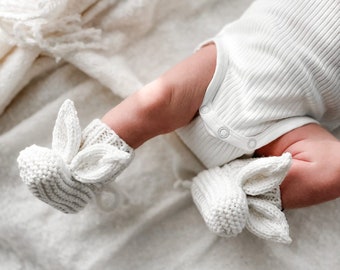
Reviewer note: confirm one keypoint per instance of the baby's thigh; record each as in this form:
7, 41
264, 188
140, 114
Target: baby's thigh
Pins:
312, 144
309, 138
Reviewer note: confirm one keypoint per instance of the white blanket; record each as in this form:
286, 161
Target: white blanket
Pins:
159, 228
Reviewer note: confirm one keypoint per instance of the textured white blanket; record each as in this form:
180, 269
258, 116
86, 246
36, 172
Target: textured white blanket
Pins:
51, 51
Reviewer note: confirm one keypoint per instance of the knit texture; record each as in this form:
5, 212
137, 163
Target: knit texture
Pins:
244, 194
36, 33
277, 69
79, 164
48, 25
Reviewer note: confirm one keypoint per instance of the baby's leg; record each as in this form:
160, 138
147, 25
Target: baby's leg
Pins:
81, 164
165, 104
315, 173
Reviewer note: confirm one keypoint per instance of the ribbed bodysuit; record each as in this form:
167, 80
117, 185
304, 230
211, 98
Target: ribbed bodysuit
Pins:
277, 69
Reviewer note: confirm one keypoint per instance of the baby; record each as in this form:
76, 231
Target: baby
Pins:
266, 85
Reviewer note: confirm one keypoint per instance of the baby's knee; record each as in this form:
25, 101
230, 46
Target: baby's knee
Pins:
155, 96
318, 163
314, 176
153, 101
329, 166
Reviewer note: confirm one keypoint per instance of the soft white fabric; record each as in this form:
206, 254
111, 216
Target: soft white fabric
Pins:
277, 69
160, 228
78, 166
244, 193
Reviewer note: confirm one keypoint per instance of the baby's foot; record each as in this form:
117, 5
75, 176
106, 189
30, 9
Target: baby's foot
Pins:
244, 194
78, 166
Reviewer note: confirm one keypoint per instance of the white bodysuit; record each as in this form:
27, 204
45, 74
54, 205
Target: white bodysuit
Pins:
277, 69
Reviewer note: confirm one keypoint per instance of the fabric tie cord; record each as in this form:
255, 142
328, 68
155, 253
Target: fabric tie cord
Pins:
78, 166
242, 194
50, 26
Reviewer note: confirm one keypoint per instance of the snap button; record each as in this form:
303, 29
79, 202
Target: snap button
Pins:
223, 132
204, 109
252, 143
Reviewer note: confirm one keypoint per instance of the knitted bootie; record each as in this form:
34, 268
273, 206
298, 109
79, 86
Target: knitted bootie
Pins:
244, 193
78, 166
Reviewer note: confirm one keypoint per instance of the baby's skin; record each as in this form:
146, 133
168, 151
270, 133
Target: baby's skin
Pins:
172, 101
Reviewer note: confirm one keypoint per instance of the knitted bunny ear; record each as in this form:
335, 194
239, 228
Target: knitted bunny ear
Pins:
267, 221
244, 193
259, 178
264, 174
67, 132
98, 163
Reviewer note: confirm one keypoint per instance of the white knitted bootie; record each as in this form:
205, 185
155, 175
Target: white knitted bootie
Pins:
78, 166
244, 193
